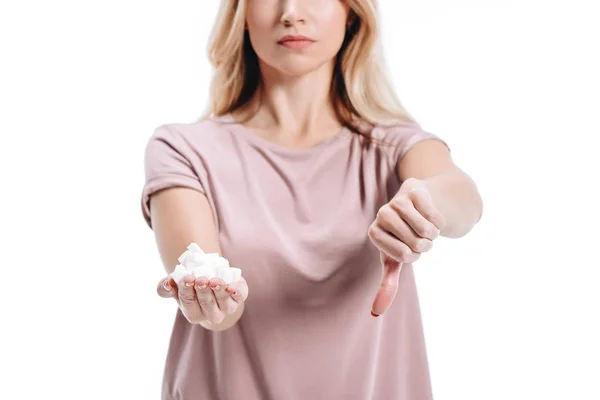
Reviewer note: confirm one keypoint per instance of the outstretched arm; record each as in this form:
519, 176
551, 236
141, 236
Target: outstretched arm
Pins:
181, 216
435, 198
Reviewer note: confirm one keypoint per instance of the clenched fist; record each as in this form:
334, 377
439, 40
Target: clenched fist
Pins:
404, 228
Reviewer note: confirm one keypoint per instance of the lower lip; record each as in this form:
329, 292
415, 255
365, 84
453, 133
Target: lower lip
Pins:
297, 44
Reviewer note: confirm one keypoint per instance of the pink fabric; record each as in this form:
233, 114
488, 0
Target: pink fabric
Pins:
295, 222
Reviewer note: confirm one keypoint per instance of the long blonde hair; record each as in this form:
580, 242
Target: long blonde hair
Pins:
361, 91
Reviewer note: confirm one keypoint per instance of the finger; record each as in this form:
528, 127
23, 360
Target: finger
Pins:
238, 290
421, 200
390, 245
388, 286
420, 226
224, 300
188, 301
394, 223
208, 302
166, 288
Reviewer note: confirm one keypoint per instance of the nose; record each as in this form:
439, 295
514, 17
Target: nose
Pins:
290, 14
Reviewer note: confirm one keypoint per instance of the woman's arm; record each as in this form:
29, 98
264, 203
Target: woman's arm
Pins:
453, 192
181, 216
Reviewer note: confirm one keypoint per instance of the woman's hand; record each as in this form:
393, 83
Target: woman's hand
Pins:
404, 228
205, 300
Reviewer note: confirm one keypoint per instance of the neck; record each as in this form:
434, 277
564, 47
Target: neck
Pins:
294, 105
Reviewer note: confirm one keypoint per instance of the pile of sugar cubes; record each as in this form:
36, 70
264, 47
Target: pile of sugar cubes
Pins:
196, 262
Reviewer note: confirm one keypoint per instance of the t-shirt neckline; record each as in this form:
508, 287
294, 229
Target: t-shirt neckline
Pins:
259, 141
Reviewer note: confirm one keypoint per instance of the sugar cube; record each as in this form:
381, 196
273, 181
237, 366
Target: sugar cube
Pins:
194, 248
179, 272
211, 257
184, 257
227, 275
221, 262
204, 270
199, 264
194, 259
220, 272
231, 275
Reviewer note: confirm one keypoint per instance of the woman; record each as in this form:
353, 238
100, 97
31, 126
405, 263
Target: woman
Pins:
306, 173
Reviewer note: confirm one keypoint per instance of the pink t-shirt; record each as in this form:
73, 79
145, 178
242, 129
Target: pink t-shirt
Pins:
295, 221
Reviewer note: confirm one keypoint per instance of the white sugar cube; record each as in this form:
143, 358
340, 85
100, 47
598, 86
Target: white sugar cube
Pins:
184, 257
231, 275
194, 260
212, 256
220, 272
221, 262
179, 272
227, 275
204, 270
199, 264
194, 248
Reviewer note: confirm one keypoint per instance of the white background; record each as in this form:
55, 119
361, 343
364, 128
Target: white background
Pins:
510, 310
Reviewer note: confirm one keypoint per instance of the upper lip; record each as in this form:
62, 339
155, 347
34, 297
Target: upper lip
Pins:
288, 38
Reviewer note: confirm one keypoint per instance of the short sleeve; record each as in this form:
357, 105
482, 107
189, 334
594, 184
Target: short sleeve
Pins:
407, 135
167, 164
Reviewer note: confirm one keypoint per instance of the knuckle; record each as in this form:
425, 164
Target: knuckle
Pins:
433, 233
424, 230
415, 245
424, 245
413, 258
410, 180
415, 194
404, 254
384, 212
387, 212
401, 202
442, 222
372, 232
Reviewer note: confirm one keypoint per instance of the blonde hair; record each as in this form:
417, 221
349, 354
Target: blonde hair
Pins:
361, 90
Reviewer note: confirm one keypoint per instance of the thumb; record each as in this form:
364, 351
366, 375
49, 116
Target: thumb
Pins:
388, 286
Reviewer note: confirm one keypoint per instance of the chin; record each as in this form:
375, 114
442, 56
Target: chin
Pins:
296, 68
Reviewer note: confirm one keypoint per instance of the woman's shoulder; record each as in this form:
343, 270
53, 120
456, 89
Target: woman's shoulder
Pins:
400, 136
202, 133
394, 131
198, 130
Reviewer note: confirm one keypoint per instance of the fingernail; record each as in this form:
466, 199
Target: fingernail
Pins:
167, 286
188, 284
373, 314
216, 287
203, 286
